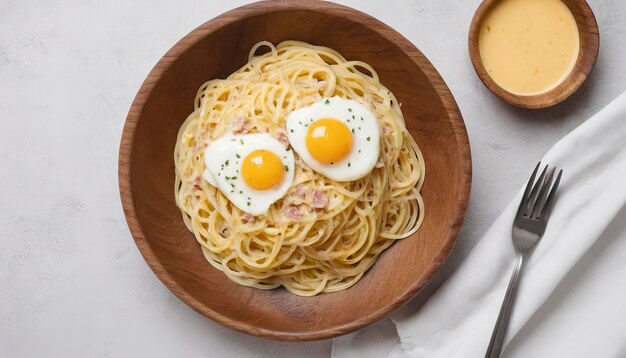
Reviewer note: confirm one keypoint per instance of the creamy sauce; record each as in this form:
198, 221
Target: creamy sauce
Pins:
529, 47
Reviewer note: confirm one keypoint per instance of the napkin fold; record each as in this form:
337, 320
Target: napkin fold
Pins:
572, 297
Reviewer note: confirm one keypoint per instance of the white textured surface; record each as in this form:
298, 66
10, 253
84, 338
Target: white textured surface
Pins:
72, 282
571, 266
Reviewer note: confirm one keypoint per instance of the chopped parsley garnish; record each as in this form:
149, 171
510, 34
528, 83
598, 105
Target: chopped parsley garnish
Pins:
291, 130
218, 174
232, 185
353, 116
327, 101
288, 149
286, 168
352, 130
359, 151
359, 128
361, 118
240, 192
227, 177
241, 141
349, 109
226, 162
248, 203
349, 164
368, 139
233, 178
237, 155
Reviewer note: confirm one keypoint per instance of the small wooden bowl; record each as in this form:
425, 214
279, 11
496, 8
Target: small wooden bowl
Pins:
216, 49
589, 46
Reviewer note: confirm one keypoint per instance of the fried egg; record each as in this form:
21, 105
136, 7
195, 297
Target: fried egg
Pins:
253, 171
339, 138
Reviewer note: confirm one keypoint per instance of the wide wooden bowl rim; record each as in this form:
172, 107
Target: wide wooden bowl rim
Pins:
235, 15
587, 27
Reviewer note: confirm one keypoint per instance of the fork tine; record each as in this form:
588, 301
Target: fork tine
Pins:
529, 186
533, 194
547, 209
543, 194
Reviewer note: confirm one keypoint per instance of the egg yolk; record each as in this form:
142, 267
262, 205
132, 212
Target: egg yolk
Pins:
262, 169
328, 140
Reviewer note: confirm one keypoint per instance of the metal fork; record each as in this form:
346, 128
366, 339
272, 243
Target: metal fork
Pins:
528, 228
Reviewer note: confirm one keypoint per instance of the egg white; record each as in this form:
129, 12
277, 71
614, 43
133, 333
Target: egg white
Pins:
360, 120
223, 159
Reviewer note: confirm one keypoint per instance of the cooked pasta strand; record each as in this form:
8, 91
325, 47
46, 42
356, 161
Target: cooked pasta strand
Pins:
327, 249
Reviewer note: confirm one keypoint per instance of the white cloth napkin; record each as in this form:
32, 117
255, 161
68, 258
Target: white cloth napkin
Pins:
572, 298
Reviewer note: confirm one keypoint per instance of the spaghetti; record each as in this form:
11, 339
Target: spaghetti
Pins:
324, 249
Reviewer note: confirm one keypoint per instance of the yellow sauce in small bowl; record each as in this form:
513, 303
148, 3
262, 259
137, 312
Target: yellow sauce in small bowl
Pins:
529, 47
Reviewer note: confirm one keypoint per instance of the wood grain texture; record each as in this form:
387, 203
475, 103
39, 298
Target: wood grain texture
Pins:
589, 48
216, 49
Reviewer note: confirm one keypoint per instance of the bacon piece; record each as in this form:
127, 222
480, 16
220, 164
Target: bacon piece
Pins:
247, 217
319, 199
297, 196
240, 123
282, 137
300, 191
292, 212
316, 199
195, 182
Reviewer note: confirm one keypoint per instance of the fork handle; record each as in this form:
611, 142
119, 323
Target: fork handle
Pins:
499, 331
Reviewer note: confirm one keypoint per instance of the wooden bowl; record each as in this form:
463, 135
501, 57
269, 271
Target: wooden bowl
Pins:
216, 49
589, 47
